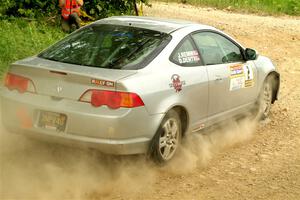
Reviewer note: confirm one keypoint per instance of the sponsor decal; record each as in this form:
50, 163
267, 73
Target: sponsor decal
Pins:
241, 76
103, 83
237, 83
236, 70
248, 72
188, 57
176, 83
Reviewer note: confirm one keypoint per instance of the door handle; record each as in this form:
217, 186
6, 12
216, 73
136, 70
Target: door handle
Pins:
218, 78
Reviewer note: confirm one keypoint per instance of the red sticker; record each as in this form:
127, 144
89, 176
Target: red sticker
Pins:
176, 83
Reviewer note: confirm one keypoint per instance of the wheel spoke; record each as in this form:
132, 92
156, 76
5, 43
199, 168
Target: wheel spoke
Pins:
167, 127
162, 142
174, 130
174, 143
167, 151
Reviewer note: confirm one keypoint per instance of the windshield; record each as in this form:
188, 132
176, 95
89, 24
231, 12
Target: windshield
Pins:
108, 46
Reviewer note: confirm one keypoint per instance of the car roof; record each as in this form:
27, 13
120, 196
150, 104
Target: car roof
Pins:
152, 23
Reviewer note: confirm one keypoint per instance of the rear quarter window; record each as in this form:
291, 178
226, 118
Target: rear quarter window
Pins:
186, 54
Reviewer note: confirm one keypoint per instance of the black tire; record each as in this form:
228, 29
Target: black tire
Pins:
265, 99
167, 139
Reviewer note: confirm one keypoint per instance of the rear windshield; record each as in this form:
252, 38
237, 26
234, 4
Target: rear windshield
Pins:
108, 46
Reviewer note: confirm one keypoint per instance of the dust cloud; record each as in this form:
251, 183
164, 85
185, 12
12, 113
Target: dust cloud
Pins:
37, 170
34, 170
198, 149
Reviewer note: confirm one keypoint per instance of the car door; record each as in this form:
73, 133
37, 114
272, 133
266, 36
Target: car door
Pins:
231, 78
193, 80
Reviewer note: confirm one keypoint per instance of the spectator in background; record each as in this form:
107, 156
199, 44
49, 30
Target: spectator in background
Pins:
70, 12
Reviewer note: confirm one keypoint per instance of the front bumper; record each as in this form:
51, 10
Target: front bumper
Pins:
120, 131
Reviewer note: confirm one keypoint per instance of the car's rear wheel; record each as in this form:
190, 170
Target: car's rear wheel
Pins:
265, 100
167, 139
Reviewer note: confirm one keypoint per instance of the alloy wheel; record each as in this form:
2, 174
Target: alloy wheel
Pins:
169, 139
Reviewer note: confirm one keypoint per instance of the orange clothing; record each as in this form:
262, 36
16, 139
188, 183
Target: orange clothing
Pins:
70, 6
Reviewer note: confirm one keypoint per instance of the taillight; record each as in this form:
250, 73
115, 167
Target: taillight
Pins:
112, 99
20, 83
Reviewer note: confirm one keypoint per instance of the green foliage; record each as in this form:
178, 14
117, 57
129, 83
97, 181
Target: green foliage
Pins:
20, 39
290, 7
42, 8
100, 8
28, 8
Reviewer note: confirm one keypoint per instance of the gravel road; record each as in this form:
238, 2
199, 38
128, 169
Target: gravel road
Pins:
242, 161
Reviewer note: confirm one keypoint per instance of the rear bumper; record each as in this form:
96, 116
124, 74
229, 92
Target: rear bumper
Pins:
108, 146
121, 131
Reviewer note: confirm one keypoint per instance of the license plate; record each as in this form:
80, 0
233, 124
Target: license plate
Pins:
52, 120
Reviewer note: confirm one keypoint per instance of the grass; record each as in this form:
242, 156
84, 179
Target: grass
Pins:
20, 38
274, 7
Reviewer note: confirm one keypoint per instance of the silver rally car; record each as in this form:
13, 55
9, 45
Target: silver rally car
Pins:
133, 85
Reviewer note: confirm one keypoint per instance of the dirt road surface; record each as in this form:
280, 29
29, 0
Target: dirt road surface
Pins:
243, 161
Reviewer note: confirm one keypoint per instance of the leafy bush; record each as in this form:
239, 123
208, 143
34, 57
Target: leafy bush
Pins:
100, 9
42, 8
28, 8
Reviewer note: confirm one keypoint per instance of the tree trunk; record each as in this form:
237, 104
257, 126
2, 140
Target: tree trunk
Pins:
135, 8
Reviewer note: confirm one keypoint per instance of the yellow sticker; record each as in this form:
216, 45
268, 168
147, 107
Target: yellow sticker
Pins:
241, 76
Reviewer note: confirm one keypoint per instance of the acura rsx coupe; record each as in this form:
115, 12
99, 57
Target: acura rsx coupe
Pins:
136, 85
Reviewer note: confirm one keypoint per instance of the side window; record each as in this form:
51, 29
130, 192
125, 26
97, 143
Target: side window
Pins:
185, 54
216, 49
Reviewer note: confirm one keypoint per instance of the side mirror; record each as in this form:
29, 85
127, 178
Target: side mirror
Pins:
250, 54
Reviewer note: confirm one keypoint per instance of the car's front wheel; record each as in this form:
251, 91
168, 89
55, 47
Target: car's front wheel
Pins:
265, 99
167, 139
